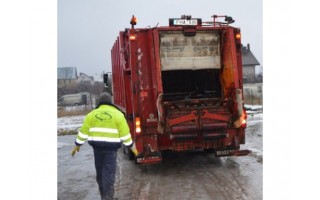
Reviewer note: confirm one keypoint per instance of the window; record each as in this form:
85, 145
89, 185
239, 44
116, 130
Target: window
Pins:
259, 89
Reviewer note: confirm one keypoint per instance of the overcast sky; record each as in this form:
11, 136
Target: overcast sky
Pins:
87, 29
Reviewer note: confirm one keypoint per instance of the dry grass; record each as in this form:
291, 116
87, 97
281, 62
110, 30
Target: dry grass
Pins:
67, 132
253, 101
73, 110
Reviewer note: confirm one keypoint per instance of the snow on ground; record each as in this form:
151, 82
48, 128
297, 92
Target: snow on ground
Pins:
254, 132
253, 107
70, 122
68, 125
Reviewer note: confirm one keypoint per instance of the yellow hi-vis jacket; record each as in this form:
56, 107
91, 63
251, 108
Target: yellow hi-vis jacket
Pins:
105, 127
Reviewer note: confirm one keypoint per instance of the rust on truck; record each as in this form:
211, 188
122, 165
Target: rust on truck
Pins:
180, 87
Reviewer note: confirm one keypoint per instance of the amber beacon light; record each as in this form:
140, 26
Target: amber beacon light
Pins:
133, 20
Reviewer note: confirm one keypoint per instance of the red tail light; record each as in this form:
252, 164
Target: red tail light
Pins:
138, 125
243, 119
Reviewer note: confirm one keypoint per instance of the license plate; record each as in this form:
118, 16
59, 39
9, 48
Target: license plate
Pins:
184, 22
224, 152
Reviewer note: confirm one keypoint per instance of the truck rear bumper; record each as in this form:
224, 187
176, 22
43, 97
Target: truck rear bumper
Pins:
230, 152
149, 160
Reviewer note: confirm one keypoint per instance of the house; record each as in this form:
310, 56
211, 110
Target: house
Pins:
85, 78
67, 77
249, 63
98, 77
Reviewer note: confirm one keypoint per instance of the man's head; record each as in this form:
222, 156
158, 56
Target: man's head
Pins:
105, 98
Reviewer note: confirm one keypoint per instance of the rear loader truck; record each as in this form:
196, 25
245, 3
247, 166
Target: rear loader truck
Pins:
180, 86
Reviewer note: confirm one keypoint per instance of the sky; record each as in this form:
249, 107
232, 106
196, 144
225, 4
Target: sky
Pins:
87, 29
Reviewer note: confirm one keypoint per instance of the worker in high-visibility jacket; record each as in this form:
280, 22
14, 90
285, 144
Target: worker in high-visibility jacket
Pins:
105, 128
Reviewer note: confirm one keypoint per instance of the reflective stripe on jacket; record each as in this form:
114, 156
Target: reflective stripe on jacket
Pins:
105, 127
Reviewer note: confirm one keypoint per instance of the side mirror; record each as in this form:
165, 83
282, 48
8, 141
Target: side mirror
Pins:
105, 79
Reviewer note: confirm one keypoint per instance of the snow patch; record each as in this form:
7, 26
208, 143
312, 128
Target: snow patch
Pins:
253, 107
70, 123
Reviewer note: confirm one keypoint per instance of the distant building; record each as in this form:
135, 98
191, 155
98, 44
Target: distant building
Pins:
85, 78
249, 63
67, 77
98, 77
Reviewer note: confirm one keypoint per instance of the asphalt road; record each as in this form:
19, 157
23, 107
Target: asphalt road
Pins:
189, 175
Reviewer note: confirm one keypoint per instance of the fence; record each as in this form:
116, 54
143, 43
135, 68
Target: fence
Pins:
253, 94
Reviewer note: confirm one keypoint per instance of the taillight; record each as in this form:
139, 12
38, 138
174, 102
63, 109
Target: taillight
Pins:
132, 37
238, 36
241, 121
132, 34
138, 125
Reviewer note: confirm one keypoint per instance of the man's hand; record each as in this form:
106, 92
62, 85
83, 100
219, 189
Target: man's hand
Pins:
134, 150
75, 149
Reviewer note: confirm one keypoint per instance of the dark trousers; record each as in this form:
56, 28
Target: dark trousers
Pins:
105, 163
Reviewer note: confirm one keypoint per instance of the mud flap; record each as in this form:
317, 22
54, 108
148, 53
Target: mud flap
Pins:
240, 152
149, 156
233, 150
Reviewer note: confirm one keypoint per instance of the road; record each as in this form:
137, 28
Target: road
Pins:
189, 175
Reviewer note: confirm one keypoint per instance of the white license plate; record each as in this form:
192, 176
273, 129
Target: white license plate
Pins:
224, 152
192, 22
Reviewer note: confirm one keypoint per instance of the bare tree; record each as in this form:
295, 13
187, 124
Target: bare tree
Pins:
97, 88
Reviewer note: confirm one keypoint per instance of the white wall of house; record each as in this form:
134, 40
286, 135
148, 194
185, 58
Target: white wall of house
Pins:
248, 72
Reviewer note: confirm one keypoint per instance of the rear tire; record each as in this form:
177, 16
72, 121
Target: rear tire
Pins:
128, 152
208, 150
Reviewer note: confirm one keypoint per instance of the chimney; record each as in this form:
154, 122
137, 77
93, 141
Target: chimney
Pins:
248, 47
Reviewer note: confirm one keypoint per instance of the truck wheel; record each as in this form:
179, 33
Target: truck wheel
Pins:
130, 154
208, 150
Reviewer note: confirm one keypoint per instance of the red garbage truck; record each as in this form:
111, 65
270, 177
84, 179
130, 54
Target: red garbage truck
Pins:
180, 87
